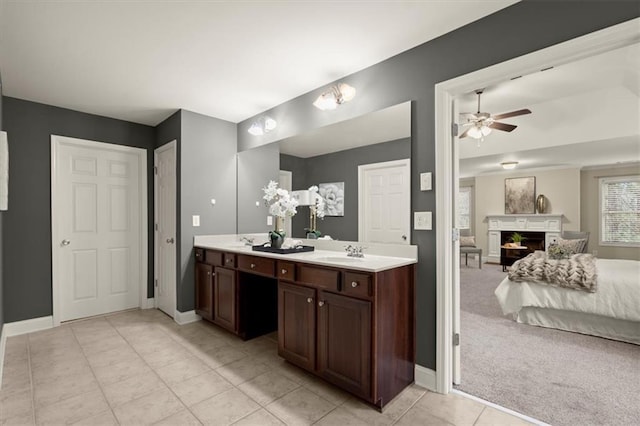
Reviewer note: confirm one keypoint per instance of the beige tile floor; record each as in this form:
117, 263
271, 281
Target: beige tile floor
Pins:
140, 367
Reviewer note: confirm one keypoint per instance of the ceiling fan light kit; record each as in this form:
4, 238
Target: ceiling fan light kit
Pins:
481, 123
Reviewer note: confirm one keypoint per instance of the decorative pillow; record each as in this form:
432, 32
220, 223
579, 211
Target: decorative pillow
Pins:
469, 241
557, 251
576, 246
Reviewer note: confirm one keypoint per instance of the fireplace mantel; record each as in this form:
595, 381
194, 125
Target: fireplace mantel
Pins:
550, 224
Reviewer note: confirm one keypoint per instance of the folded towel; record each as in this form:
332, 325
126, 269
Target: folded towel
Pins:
4, 171
291, 243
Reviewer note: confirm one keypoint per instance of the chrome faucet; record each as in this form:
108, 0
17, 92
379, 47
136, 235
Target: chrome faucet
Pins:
247, 241
354, 251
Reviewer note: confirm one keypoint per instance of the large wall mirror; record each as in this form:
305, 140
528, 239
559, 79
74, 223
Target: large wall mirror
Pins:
362, 166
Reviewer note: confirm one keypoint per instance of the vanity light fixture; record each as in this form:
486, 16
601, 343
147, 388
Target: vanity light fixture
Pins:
336, 95
509, 165
262, 125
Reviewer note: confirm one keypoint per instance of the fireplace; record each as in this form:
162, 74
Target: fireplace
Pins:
531, 241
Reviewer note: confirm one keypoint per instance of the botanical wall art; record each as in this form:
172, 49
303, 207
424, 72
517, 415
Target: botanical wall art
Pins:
520, 195
333, 195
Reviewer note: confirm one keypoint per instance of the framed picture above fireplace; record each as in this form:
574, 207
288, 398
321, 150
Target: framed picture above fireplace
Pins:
520, 195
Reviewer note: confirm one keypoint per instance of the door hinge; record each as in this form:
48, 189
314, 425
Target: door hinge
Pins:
155, 170
155, 283
456, 339
455, 234
454, 129
156, 226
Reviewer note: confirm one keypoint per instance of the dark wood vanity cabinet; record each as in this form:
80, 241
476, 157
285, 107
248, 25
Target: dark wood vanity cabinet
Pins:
353, 328
225, 299
204, 290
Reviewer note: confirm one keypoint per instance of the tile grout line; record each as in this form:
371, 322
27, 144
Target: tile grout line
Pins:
33, 389
94, 376
479, 415
410, 407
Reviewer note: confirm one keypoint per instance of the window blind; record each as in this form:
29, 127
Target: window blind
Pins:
464, 208
620, 210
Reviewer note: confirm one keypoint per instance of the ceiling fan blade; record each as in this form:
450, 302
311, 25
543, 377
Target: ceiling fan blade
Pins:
502, 126
512, 114
464, 134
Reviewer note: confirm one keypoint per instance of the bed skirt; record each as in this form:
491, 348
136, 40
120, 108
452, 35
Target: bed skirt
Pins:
595, 325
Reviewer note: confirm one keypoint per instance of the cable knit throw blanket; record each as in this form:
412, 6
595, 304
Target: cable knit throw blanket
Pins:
578, 272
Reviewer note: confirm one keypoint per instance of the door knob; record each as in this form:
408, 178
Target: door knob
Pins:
65, 243
404, 237
354, 284
169, 240
309, 300
321, 303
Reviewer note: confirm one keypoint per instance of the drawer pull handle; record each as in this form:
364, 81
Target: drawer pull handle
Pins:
354, 284
309, 300
284, 271
208, 273
321, 303
228, 260
253, 265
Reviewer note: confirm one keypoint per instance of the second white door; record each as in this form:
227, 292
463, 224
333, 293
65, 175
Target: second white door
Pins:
165, 212
384, 202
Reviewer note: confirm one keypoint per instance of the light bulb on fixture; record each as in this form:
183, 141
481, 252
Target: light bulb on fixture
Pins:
336, 95
509, 165
262, 125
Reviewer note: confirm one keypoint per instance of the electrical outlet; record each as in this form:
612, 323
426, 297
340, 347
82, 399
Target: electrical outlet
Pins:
269, 220
196, 220
422, 221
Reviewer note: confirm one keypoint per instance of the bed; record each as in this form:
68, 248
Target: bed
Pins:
612, 311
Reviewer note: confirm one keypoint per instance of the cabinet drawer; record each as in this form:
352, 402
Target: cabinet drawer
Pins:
327, 279
229, 260
286, 271
213, 257
258, 265
357, 284
199, 255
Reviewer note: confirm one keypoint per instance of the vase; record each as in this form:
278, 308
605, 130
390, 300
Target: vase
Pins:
541, 203
277, 235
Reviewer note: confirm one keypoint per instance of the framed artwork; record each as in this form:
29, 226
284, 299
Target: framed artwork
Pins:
333, 194
520, 195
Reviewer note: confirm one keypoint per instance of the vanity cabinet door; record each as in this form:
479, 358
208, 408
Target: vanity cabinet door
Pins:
344, 342
297, 324
225, 298
204, 290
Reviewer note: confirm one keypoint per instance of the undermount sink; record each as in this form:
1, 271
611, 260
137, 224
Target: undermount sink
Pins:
343, 259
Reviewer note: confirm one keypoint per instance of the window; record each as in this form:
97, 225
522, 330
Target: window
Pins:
620, 211
464, 207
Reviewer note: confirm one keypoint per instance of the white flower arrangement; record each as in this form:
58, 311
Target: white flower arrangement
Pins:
317, 203
280, 202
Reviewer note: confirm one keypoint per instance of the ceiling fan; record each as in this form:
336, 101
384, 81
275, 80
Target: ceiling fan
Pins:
483, 122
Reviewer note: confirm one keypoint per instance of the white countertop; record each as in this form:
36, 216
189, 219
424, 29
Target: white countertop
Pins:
333, 258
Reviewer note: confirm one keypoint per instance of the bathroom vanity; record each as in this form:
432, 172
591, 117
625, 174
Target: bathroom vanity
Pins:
348, 320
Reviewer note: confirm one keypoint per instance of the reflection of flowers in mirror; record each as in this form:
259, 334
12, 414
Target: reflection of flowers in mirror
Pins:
279, 201
317, 202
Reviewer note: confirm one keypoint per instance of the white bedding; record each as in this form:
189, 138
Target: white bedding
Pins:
617, 296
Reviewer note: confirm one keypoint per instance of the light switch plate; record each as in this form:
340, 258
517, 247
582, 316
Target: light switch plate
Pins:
196, 220
269, 220
422, 221
425, 181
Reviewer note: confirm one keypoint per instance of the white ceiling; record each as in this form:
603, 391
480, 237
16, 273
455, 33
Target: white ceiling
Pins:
584, 113
141, 60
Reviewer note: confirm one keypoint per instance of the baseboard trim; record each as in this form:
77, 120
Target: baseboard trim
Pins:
183, 318
501, 408
27, 326
3, 344
149, 303
425, 377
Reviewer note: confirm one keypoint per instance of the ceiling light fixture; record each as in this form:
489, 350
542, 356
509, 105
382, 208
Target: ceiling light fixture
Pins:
336, 95
262, 125
509, 165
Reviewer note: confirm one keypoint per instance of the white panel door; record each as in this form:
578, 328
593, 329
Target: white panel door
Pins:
384, 200
165, 211
97, 221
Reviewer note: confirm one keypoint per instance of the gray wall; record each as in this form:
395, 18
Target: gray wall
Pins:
27, 224
256, 167
340, 167
207, 170
522, 28
1, 220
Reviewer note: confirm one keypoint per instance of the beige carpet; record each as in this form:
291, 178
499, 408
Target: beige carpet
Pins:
555, 376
